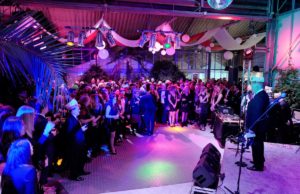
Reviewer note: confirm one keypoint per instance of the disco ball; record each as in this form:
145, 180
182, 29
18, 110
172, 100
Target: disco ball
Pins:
219, 4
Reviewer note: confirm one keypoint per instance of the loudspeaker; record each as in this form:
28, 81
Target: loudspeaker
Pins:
206, 173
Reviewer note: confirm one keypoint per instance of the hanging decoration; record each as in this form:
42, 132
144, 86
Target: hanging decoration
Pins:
238, 40
228, 55
103, 54
185, 38
170, 51
164, 31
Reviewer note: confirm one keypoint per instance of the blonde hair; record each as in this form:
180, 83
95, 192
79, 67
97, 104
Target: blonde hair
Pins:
26, 113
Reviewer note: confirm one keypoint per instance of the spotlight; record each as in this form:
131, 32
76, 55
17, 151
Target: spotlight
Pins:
168, 42
177, 42
143, 40
81, 38
70, 39
248, 53
110, 39
100, 44
152, 40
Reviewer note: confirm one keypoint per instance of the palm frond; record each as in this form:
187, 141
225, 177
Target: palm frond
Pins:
27, 49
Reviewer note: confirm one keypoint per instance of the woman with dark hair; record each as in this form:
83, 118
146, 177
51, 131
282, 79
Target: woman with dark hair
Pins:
203, 100
184, 106
12, 128
19, 176
173, 104
111, 118
96, 110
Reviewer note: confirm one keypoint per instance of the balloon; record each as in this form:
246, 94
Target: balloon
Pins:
238, 40
228, 55
170, 51
103, 54
208, 49
185, 38
163, 52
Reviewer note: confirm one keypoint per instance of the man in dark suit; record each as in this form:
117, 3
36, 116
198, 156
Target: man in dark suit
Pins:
148, 108
76, 143
256, 107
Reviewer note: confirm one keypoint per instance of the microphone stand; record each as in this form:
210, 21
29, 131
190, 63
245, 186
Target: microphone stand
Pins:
249, 143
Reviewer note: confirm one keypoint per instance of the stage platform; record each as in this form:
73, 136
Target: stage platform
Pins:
280, 176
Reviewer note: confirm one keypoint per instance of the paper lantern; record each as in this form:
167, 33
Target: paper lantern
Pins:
103, 54
185, 38
228, 55
238, 40
170, 51
208, 49
163, 52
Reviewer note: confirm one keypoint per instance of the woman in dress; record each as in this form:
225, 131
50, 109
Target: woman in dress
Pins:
203, 100
184, 105
172, 105
111, 117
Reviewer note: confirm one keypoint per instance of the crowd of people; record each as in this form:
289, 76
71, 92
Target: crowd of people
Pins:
87, 116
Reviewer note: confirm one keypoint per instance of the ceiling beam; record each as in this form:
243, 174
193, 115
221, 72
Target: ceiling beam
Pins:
188, 3
140, 10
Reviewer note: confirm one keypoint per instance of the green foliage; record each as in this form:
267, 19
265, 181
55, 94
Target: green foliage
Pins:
166, 70
95, 72
288, 81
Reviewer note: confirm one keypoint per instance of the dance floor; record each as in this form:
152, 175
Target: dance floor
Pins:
163, 164
156, 162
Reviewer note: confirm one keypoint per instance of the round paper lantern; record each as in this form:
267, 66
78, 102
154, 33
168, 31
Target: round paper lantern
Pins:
153, 52
185, 38
228, 55
238, 40
170, 51
208, 49
163, 52
150, 49
211, 45
103, 54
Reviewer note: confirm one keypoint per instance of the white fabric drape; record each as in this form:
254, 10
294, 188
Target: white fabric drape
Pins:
228, 42
220, 34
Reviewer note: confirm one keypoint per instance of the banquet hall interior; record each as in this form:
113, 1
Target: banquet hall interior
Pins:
149, 97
